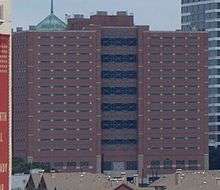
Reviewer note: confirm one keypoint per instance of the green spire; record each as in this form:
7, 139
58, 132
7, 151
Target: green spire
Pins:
51, 22
51, 7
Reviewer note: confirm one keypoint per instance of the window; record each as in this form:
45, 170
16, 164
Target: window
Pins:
119, 124
131, 165
119, 41
155, 164
167, 164
108, 58
107, 166
119, 74
180, 164
119, 107
84, 163
58, 164
193, 164
119, 141
119, 90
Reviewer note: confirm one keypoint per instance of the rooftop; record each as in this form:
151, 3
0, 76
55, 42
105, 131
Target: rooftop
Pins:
190, 180
51, 23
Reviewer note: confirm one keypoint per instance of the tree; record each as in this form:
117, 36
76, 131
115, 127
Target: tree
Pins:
19, 165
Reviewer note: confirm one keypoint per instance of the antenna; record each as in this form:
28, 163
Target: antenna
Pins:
51, 8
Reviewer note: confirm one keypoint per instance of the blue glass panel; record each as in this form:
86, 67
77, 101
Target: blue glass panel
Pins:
119, 124
109, 58
119, 107
119, 42
118, 141
119, 74
119, 90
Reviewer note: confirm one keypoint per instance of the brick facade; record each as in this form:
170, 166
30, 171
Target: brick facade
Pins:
111, 96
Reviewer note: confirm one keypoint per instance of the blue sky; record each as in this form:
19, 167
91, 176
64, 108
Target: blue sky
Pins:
159, 14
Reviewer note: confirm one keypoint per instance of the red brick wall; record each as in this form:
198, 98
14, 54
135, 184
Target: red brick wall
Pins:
173, 121
4, 112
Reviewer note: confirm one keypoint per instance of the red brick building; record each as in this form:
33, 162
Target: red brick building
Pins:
5, 98
173, 102
104, 95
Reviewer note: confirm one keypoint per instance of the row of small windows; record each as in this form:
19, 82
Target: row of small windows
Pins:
129, 165
62, 86
60, 94
156, 164
180, 164
64, 128
213, 100
119, 42
193, 18
214, 81
173, 86
63, 149
175, 138
198, 26
192, 1
66, 111
171, 92
65, 37
214, 62
173, 78
119, 107
214, 109
65, 78
214, 90
172, 129
214, 71
214, 128
214, 24
64, 120
86, 44
110, 58
173, 119
214, 53
62, 164
212, 15
211, 6
214, 137
119, 91
70, 62
173, 110
119, 124
68, 139
214, 43
195, 8
64, 70
200, 8
119, 74
86, 56
64, 103
119, 141
214, 118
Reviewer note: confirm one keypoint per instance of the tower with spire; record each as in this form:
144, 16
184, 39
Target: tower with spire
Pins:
51, 22
51, 7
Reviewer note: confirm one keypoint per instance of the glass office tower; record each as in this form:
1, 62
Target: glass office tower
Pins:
204, 15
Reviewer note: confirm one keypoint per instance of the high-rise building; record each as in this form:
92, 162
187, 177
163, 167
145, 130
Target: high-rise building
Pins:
5, 96
204, 15
101, 94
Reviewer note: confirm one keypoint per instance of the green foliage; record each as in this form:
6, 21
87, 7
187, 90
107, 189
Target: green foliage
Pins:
20, 165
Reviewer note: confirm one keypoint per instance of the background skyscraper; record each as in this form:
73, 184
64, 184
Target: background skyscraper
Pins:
204, 15
5, 94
